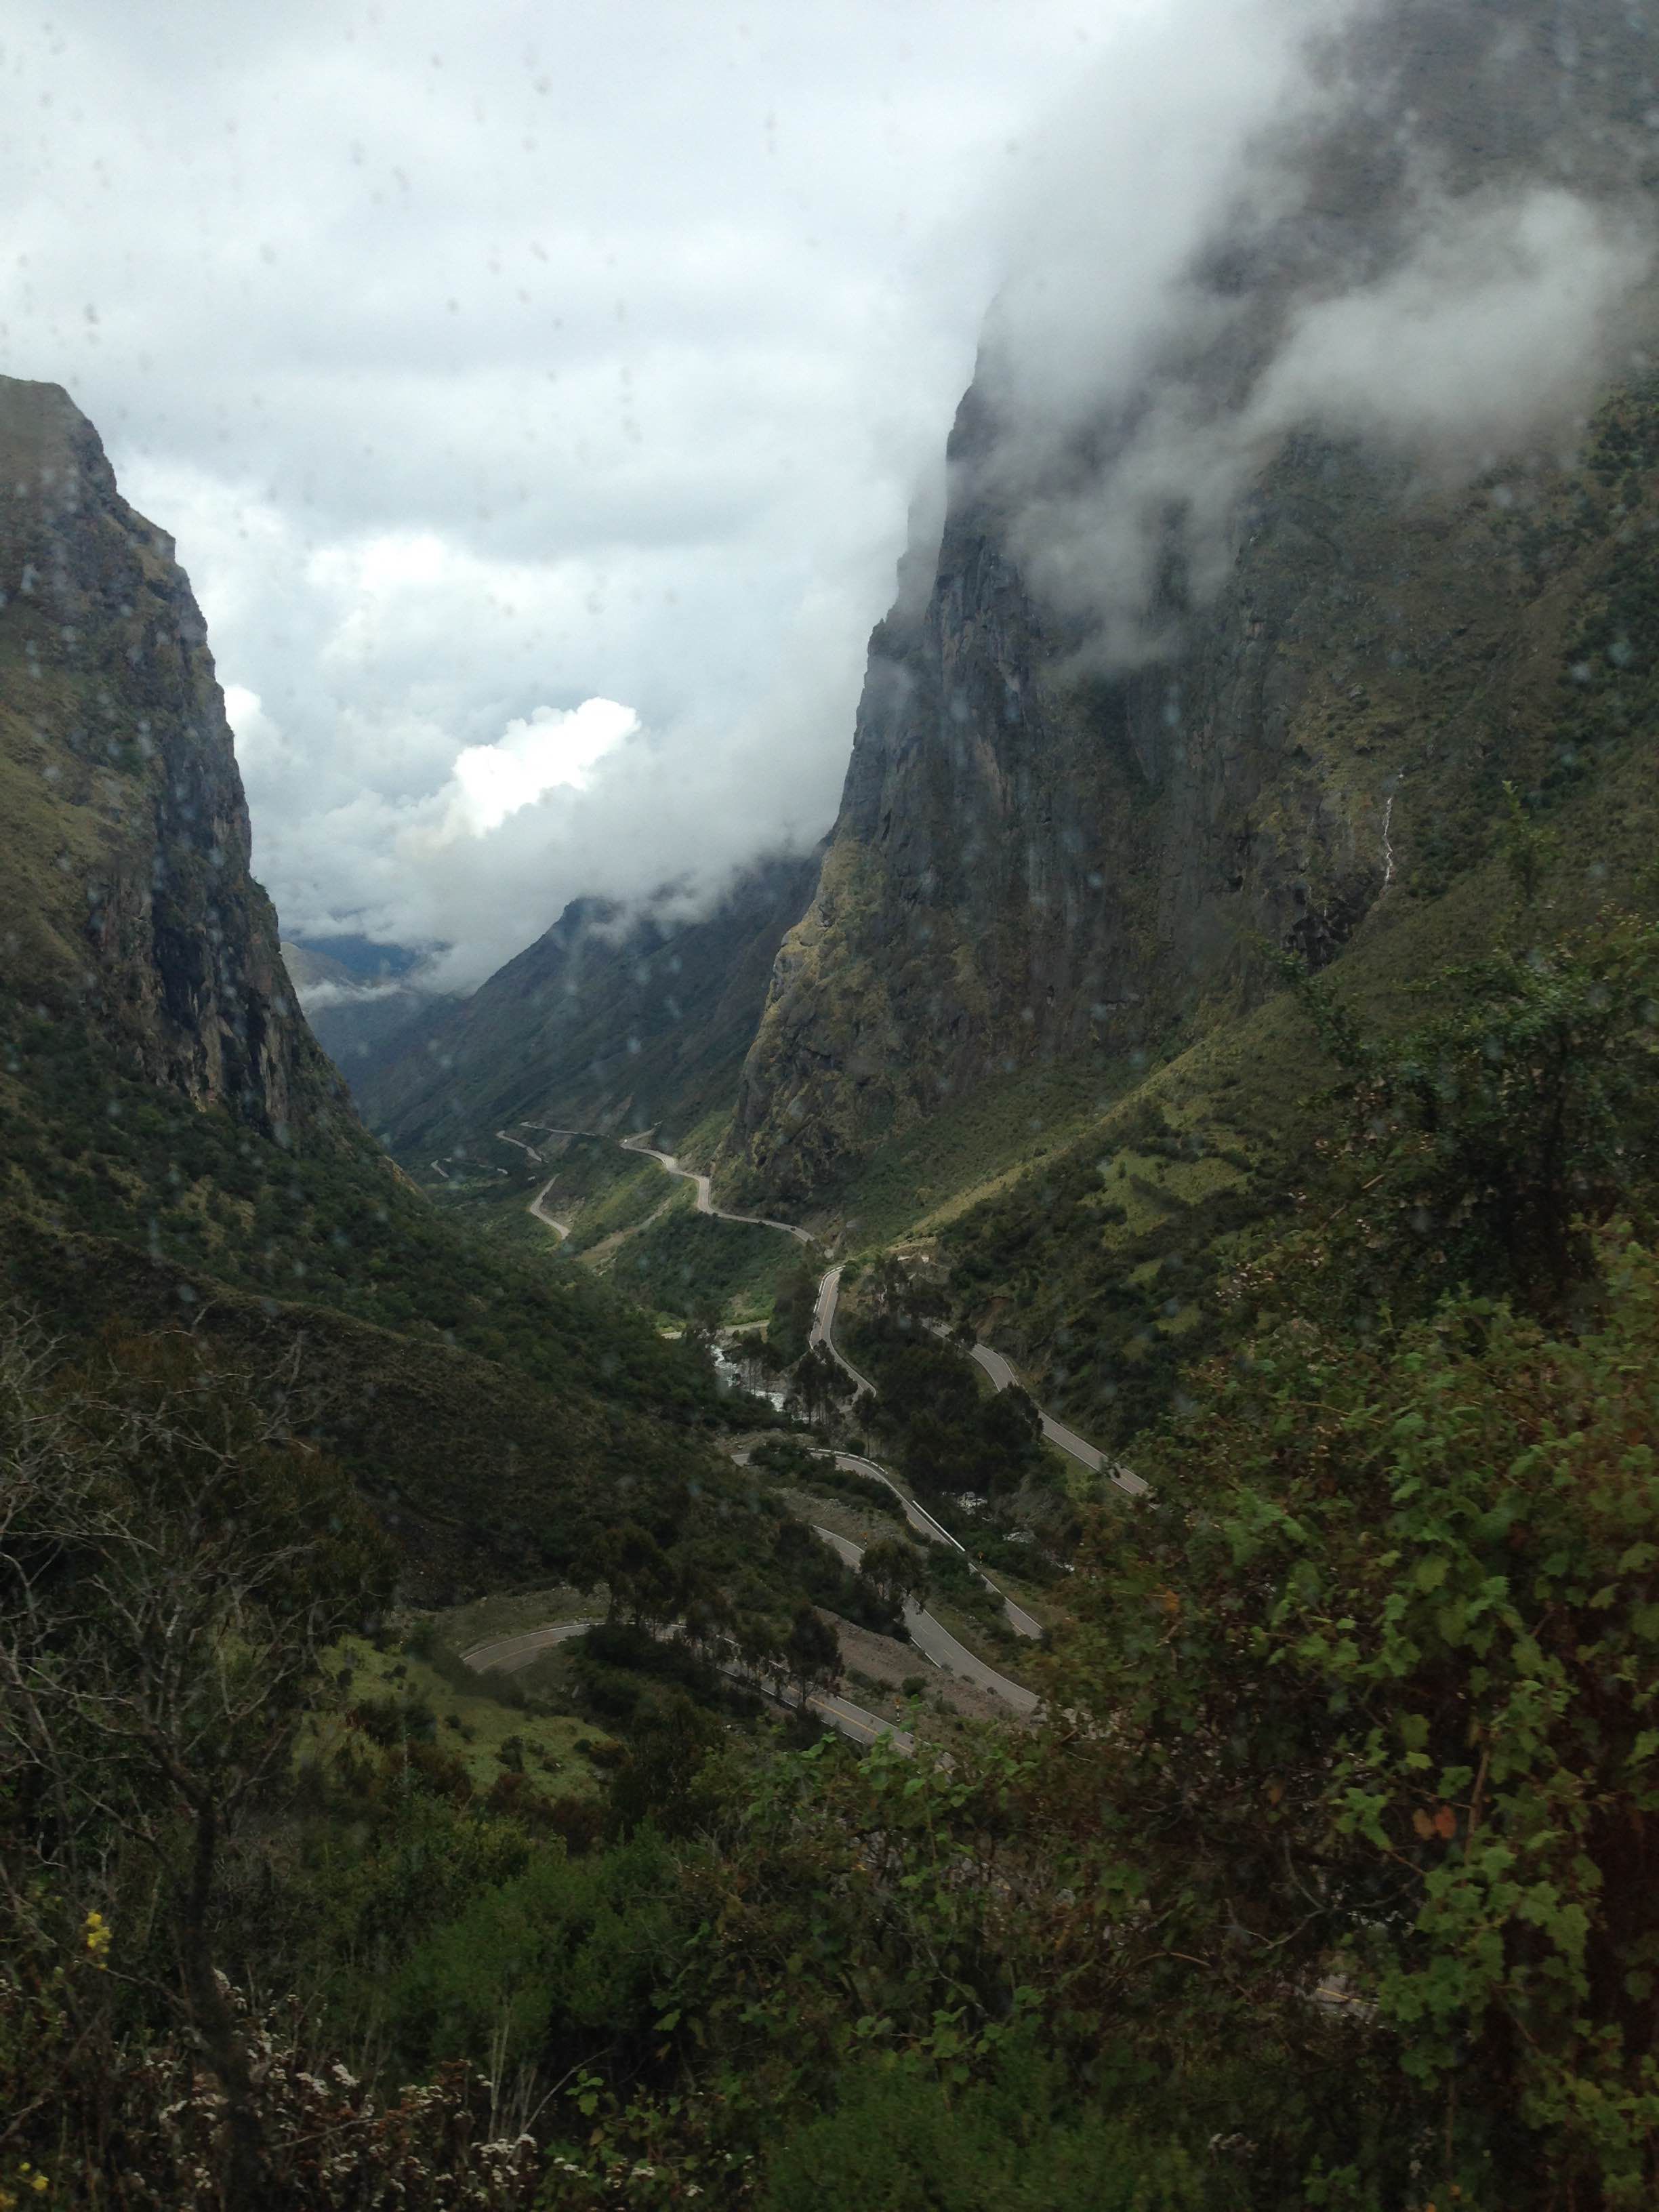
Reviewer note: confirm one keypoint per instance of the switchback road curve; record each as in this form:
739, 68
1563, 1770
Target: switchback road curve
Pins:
509, 1655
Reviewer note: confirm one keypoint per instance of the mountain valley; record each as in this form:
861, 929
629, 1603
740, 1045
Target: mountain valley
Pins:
962, 1520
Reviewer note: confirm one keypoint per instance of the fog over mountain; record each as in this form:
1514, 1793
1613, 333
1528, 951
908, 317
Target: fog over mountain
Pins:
540, 417
1416, 225
489, 371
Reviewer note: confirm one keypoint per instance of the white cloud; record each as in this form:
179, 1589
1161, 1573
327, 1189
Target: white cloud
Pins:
488, 365
1404, 232
551, 751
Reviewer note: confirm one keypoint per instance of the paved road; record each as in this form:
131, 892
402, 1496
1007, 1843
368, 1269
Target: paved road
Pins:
706, 1195
539, 1206
1004, 1378
508, 1655
915, 1513
823, 1333
823, 1330
933, 1639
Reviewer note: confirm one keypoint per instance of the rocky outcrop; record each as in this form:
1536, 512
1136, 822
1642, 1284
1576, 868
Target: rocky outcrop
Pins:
127, 906
614, 1018
1050, 845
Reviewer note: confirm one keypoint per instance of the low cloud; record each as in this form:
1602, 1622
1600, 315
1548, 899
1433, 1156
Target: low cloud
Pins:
550, 750
483, 369
1492, 333
317, 998
1279, 238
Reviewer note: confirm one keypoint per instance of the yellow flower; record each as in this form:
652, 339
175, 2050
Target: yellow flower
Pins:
40, 2184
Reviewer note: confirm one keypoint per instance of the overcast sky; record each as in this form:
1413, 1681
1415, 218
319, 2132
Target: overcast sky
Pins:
536, 394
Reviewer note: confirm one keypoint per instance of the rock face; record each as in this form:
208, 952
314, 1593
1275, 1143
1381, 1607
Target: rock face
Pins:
1046, 846
127, 903
608, 1019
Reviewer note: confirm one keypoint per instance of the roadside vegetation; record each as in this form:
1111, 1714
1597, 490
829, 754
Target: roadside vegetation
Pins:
1323, 1883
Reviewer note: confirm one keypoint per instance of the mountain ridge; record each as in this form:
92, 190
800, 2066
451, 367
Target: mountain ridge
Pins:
632, 1017
177, 1154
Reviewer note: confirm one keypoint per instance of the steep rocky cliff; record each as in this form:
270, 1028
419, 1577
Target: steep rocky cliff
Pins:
175, 1145
1073, 826
610, 1019
127, 908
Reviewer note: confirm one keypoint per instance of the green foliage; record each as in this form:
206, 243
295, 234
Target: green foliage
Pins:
1381, 1682
694, 1264
895, 1570
899, 2139
1528, 851
1113, 1308
560, 1961
795, 1302
948, 1438
1485, 1143
811, 1652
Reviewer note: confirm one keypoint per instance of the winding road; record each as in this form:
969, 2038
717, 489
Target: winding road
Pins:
1003, 1378
823, 1316
934, 1640
704, 1189
537, 1207
1066, 1440
509, 1655
823, 1333
1022, 1623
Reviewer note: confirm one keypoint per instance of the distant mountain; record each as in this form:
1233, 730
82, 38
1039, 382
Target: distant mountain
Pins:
347, 959
631, 1020
356, 996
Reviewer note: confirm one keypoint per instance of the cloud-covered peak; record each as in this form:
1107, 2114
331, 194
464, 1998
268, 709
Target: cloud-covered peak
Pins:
484, 367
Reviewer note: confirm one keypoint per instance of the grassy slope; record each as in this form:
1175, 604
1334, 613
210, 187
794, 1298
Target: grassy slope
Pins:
475, 1724
489, 1402
632, 1225
1098, 1266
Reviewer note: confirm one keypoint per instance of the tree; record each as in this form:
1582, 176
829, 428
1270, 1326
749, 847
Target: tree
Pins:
642, 1578
1370, 1691
821, 1381
790, 1324
1484, 1145
172, 1560
811, 1653
1528, 851
893, 1570
1012, 1427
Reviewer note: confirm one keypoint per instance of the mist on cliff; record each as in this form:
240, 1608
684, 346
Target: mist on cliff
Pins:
485, 365
537, 419
1256, 224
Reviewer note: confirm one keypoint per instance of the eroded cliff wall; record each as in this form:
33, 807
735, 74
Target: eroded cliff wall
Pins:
127, 907
1072, 824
